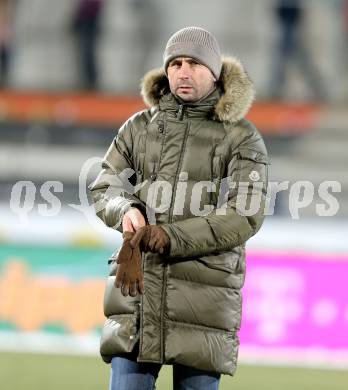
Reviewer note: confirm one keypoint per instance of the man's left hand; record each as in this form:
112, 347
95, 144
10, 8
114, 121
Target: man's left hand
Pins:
151, 238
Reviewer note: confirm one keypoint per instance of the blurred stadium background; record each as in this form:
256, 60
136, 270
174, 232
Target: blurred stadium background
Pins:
58, 109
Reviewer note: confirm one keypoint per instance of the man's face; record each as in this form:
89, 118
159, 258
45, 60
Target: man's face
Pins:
189, 79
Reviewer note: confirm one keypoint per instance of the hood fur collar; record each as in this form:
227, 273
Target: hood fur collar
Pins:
234, 103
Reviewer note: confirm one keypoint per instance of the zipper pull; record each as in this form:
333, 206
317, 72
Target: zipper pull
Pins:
180, 113
161, 126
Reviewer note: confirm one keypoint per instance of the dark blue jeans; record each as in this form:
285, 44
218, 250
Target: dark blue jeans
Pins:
128, 374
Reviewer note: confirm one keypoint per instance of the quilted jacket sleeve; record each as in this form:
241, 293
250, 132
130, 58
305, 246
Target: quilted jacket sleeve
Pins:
112, 190
239, 217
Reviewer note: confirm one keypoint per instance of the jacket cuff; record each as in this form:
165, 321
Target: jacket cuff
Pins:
115, 210
173, 248
192, 237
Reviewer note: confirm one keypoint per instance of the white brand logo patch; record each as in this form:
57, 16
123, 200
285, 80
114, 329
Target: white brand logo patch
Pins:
254, 176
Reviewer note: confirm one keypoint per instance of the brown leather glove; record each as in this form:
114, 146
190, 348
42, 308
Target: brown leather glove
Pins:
129, 275
151, 238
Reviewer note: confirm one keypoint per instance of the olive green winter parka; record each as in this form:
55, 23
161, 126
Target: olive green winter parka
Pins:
181, 155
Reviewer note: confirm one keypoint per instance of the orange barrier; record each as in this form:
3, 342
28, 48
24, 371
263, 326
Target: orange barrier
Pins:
30, 302
111, 111
273, 118
68, 109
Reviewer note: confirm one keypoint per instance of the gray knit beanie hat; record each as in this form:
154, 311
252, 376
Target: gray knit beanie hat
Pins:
197, 43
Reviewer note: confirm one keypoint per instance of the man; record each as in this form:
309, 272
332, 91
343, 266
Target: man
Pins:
86, 25
292, 49
5, 38
186, 226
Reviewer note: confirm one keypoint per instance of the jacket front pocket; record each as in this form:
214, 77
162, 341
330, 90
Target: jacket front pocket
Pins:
226, 267
224, 261
115, 302
119, 335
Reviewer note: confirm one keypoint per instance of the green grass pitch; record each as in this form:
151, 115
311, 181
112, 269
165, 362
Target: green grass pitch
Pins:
19, 371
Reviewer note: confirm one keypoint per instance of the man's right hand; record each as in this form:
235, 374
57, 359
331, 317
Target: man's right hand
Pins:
133, 220
129, 275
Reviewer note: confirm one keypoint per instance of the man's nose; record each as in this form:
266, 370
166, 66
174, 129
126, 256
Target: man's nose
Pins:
184, 71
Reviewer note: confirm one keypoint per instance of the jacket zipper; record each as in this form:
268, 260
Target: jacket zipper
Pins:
180, 113
180, 116
164, 287
141, 311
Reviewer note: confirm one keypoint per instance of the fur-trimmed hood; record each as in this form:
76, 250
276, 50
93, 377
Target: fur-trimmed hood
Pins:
236, 99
